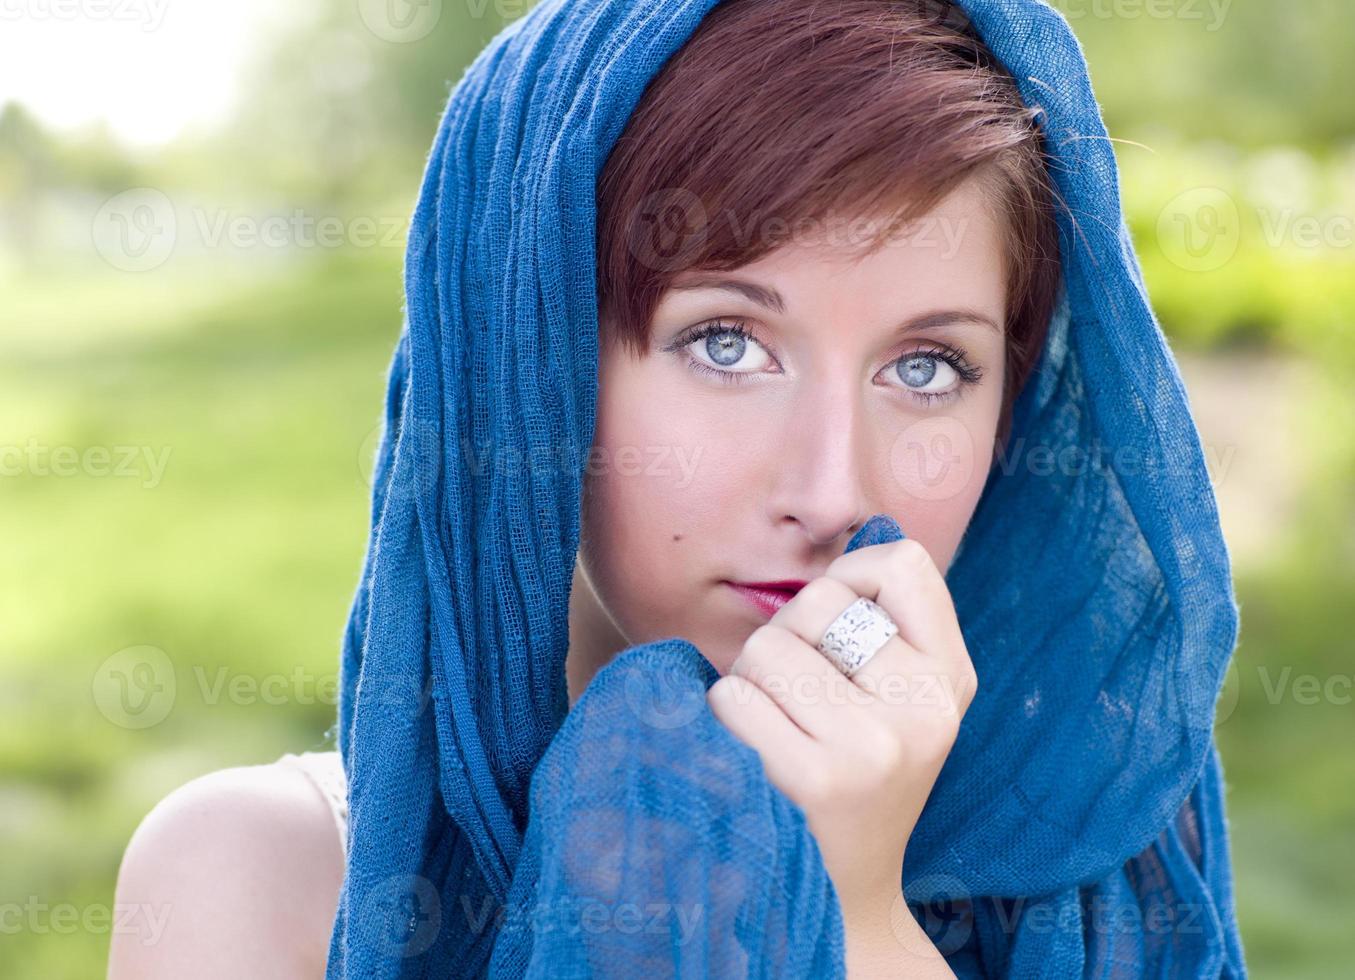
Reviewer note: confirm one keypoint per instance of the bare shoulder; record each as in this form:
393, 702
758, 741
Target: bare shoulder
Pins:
235, 873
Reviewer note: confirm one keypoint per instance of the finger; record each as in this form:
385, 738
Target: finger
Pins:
813, 610
757, 721
917, 684
902, 578
797, 678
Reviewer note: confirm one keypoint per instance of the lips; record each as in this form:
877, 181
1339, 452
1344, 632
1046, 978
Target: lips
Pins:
767, 597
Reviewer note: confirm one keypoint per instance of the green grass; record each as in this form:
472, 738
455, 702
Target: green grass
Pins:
1291, 795
239, 563
243, 558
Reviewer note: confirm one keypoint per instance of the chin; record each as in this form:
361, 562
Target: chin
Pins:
720, 655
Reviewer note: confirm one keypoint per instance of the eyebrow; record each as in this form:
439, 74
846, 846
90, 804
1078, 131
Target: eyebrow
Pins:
771, 299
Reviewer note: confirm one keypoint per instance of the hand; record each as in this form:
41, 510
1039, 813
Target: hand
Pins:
859, 755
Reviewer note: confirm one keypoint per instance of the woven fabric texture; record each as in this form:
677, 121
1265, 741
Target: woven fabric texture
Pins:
1077, 828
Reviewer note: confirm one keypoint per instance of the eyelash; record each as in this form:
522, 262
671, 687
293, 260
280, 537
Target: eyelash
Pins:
954, 356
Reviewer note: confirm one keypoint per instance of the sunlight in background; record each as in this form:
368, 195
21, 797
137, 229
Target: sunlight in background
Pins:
151, 70
203, 216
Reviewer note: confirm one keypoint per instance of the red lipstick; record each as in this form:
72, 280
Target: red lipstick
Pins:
767, 597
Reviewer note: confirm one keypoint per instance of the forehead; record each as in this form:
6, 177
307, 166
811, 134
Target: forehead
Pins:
954, 252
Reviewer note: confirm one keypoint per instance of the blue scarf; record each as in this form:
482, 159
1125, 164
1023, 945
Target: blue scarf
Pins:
1077, 828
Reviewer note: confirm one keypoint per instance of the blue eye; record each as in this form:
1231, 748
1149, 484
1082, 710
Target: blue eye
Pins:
920, 371
723, 349
726, 351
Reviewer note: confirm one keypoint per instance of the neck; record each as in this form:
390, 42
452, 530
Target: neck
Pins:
593, 638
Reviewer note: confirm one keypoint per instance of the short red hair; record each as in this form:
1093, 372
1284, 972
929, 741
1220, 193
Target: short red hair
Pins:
775, 113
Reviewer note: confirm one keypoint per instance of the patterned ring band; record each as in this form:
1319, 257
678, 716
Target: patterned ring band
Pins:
856, 635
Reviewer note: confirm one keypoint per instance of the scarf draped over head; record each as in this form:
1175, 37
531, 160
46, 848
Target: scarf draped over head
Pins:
1077, 827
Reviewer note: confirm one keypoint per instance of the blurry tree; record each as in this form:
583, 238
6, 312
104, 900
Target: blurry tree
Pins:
27, 160
338, 112
1252, 73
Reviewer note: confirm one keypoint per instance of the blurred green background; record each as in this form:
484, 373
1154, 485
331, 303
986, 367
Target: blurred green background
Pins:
187, 416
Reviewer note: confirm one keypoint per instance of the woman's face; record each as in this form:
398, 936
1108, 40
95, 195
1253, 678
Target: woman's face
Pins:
754, 457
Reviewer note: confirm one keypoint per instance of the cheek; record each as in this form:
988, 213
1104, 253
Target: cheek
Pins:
662, 480
938, 466
667, 461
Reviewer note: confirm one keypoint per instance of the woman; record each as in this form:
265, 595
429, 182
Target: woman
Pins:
590, 721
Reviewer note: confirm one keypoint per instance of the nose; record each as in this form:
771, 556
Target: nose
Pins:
823, 454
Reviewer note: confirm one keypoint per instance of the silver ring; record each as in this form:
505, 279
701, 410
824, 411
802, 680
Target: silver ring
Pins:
856, 635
